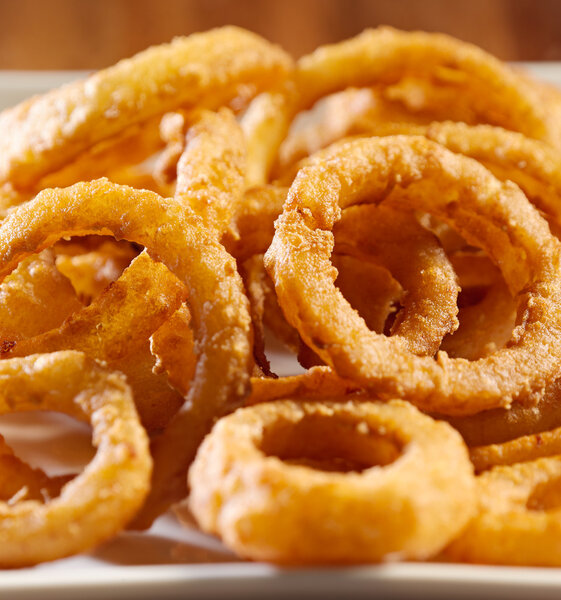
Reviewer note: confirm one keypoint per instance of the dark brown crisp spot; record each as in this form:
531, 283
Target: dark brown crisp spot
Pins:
6, 346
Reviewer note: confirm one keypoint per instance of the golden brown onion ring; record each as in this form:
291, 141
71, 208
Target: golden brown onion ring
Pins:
485, 327
211, 169
395, 240
316, 383
406, 490
494, 92
252, 227
490, 214
501, 425
19, 481
34, 298
519, 518
115, 329
174, 348
100, 501
522, 449
212, 68
92, 270
533, 165
174, 236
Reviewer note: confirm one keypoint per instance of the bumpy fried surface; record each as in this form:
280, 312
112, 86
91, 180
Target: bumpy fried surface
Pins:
368, 458
44, 133
34, 298
459, 191
518, 509
115, 329
101, 500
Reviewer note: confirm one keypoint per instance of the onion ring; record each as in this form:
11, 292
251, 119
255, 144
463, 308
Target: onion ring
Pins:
522, 449
19, 481
385, 55
174, 348
533, 165
35, 298
211, 175
46, 132
413, 256
495, 93
409, 507
519, 519
317, 383
485, 327
502, 425
101, 500
115, 328
174, 236
298, 261
92, 270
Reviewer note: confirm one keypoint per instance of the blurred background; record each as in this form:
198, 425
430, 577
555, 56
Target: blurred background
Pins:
89, 34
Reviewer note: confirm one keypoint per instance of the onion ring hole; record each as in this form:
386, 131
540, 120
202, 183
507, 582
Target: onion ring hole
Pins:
327, 444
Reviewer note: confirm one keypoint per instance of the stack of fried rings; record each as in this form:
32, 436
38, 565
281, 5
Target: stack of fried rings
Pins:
387, 207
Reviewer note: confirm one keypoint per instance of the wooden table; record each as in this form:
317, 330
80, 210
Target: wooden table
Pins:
87, 34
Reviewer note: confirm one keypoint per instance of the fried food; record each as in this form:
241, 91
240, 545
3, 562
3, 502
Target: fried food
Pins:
502, 425
356, 204
91, 270
384, 464
19, 481
173, 346
485, 327
497, 93
522, 449
409, 71
518, 517
175, 237
316, 383
119, 475
298, 261
115, 329
211, 169
212, 68
533, 165
395, 240
35, 298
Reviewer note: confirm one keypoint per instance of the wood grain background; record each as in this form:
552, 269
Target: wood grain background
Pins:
87, 34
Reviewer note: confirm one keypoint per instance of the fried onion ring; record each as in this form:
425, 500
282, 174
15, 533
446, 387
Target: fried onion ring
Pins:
519, 518
174, 236
34, 298
409, 485
495, 216
395, 240
19, 481
210, 175
522, 449
44, 133
494, 92
100, 501
115, 328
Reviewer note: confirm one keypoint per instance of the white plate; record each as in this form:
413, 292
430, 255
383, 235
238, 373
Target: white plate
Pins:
171, 561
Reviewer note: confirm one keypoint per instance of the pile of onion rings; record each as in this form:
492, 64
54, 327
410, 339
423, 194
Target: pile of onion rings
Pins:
387, 208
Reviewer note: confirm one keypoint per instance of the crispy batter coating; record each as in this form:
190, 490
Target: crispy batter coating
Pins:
494, 216
174, 236
34, 298
100, 501
115, 329
518, 521
321, 483
211, 68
